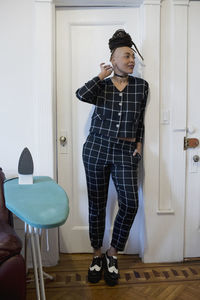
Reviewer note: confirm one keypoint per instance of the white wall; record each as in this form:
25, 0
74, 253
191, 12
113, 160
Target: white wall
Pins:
24, 115
26, 85
17, 114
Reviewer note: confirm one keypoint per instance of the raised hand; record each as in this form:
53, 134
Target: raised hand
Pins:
106, 70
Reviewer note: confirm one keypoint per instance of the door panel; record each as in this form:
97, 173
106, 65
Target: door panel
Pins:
81, 45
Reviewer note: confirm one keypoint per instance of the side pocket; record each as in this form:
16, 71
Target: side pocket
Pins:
139, 156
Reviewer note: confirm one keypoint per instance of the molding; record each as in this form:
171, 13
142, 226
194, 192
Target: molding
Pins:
152, 2
93, 3
43, 86
106, 3
181, 2
45, 1
165, 212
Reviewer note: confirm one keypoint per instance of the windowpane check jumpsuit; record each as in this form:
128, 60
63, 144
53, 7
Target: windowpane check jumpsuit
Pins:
117, 114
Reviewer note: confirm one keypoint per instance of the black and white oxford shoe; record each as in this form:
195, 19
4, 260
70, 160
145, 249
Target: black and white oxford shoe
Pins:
95, 270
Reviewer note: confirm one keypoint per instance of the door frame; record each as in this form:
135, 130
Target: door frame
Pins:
45, 91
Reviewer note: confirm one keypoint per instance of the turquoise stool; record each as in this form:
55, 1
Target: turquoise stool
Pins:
43, 204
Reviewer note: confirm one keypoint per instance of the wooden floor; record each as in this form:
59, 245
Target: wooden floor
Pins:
138, 281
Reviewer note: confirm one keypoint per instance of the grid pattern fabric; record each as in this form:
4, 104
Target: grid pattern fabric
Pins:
117, 113
104, 156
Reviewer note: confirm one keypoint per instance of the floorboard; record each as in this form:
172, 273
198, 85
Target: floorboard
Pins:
138, 281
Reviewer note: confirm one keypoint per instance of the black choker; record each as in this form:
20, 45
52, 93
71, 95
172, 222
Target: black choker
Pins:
122, 76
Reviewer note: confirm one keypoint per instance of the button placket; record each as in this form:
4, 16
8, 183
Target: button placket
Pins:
120, 103
120, 110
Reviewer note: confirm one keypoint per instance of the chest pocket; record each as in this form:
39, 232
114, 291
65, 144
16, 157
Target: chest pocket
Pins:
99, 114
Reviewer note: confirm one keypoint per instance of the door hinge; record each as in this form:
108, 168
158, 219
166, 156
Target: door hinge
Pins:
190, 143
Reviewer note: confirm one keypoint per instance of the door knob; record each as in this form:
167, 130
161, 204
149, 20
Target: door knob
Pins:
63, 140
196, 158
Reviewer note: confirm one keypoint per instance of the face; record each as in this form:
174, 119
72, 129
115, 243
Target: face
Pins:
123, 60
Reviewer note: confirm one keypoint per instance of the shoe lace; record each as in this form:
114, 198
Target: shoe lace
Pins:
96, 261
113, 262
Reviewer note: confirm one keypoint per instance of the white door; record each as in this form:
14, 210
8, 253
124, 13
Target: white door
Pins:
192, 222
82, 36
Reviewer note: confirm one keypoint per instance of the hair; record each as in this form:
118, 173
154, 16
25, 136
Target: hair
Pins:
122, 39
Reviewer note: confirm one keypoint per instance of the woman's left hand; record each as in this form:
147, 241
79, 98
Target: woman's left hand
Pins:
138, 149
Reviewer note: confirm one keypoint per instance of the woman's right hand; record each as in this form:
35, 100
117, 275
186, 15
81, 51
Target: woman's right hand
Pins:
106, 70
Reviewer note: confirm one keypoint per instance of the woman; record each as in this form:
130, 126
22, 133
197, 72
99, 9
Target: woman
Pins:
113, 147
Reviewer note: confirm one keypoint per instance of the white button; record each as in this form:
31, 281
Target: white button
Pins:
117, 125
120, 94
119, 114
120, 103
